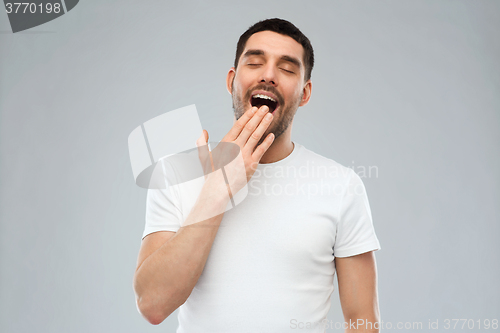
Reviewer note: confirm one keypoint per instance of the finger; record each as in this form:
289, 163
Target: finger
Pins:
209, 152
252, 125
263, 147
240, 124
204, 153
203, 139
257, 134
206, 135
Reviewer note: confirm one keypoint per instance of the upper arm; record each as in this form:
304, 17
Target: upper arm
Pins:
357, 280
151, 243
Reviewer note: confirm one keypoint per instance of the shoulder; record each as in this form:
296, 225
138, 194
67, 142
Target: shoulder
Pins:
313, 160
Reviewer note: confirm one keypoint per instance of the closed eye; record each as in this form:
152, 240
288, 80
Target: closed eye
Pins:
286, 70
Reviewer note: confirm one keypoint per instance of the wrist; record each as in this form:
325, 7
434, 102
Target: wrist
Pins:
215, 190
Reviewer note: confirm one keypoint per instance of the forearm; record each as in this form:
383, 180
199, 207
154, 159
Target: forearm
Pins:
362, 323
166, 278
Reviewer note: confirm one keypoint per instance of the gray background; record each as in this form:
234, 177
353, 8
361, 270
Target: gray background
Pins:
411, 87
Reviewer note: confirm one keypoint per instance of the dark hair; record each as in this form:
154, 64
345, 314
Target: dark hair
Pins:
282, 27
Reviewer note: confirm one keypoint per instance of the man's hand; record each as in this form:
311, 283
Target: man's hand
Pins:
246, 134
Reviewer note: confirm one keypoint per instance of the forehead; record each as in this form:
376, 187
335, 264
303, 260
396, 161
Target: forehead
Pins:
275, 44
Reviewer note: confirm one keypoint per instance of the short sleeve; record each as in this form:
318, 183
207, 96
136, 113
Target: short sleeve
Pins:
162, 212
355, 232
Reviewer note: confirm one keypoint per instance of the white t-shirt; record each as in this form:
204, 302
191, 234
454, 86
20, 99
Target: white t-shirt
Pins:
271, 266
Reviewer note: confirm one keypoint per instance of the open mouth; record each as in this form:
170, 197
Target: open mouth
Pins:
259, 99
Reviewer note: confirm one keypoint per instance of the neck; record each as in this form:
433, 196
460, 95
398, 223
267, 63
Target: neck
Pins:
281, 148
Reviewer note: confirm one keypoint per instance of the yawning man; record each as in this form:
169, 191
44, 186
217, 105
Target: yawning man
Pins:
268, 264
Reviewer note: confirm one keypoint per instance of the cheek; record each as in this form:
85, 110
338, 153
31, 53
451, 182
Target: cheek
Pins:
294, 95
241, 78
238, 88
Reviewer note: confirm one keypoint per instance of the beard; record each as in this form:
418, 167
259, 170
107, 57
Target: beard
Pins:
283, 115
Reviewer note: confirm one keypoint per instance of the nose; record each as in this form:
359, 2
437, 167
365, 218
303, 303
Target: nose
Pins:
268, 75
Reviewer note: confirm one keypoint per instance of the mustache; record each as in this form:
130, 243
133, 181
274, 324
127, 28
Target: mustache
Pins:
267, 88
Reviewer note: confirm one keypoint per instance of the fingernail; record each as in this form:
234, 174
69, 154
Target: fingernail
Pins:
264, 109
268, 116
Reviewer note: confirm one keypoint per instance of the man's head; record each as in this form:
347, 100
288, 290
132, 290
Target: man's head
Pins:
273, 66
282, 27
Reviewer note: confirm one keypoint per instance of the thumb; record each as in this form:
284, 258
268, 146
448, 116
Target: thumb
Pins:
204, 153
203, 139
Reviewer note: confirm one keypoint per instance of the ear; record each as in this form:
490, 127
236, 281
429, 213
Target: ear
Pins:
306, 93
229, 79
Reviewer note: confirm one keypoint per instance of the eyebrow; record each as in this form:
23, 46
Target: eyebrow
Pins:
253, 52
286, 58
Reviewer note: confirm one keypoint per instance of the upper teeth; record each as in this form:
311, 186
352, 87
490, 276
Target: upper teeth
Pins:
264, 97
